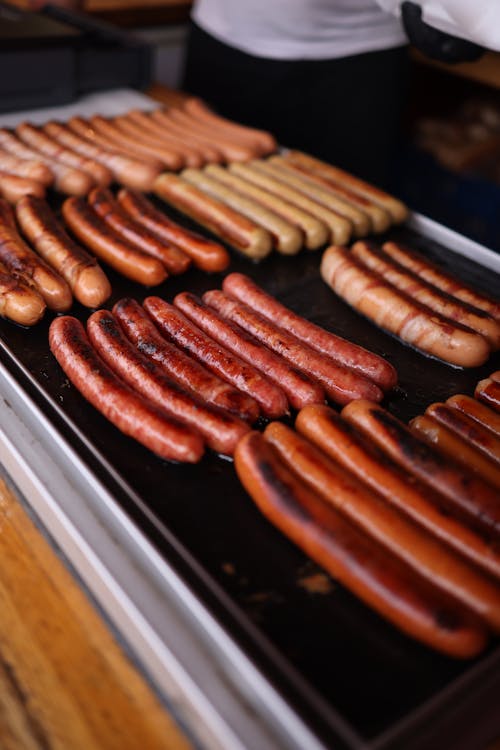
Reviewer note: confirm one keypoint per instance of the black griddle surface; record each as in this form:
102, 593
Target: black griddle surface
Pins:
358, 666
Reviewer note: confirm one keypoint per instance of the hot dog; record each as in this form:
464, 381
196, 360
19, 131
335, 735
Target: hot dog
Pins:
477, 411
130, 413
13, 188
19, 302
210, 152
395, 207
431, 273
372, 466
32, 169
189, 373
191, 156
110, 211
178, 329
472, 497
231, 226
205, 254
344, 352
220, 430
420, 291
135, 173
287, 237
373, 574
471, 431
87, 281
117, 253
298, 388
387, 526
22, 262
392, 310
489, 392
340, 383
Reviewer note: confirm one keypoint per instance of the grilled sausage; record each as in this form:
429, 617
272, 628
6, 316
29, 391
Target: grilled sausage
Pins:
393, 311
371, 573
110, 211
231, 149
220, 430
477, 411
351, 449
32, 169
297, 387
191, 156
472, 432
130, 413
22, 262
117, 253
182, 368
170, 126
387, 526
178, 329
420, 291
86, 280
223, 221
350, 355
13, 188
154, 130
473, 497
205, 254
19, 302
489, 392
341, 385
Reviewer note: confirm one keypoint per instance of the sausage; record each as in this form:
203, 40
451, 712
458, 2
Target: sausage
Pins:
170, 158
472, 432
259, 139
472, 497
298, 388
110, 211
170, 126
135, 173
241, 178
229, 225
340, 384
380, 218
109, 247
219, 429
386, 525
381, 581
42, 142
128, 411
32, 169
434, 275
361, 222
182, 368
489, 392
154, 130
205, 254
191, 156
19, 302
393, 311
477, 411
340, 228
397, 209
178, 329
456, 448
495, 376
347, 354
420, 291
350, 448
232, 150
86, 280
13, 188
22, 262
287, 238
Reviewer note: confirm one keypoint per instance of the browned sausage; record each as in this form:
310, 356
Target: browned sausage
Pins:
344, 352
21, 261
477, 411
472, 432
182, 368
393, 311
468, 493
176, 327
170, 126
130, 413
87, 281
110, 211
109, 247
370, 572
190, 156
13, 188
351, 449
19, 302
489, 392
195, 155
205, 254
231, 149
32, 169
297, 387
340, 384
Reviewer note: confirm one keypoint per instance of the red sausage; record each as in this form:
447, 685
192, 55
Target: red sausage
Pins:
471, 431
488, 391
477, 411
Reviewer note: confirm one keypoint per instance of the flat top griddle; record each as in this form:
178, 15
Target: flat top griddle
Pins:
351, 662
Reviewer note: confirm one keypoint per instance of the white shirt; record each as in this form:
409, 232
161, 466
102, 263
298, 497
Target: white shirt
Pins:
300, 29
